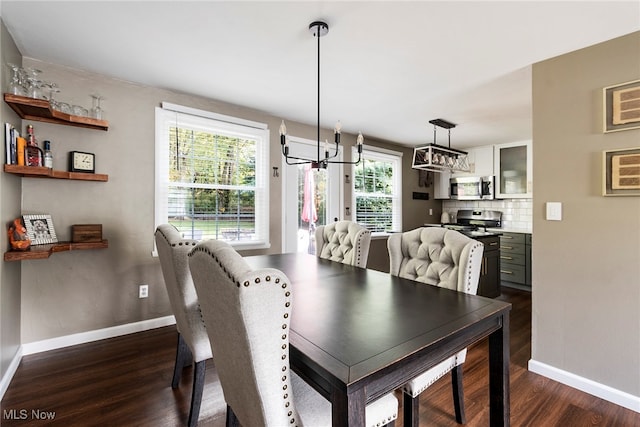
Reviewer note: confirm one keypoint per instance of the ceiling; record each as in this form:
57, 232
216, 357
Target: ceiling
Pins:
387, 67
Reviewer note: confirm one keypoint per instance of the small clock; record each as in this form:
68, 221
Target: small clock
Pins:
82, 162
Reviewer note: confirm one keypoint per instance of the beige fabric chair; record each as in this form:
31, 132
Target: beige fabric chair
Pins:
444, 258
343, 241
193, 342
247, 313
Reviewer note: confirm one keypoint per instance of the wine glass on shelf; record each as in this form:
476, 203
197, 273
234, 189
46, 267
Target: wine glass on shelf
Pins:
96, 111
16, 86
34, 89
52, 88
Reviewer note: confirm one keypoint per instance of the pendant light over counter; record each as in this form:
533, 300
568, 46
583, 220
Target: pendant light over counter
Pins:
438, 158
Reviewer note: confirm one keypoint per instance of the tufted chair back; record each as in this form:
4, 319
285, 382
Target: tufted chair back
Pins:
437, 256
247, 313
343, 241
172, 252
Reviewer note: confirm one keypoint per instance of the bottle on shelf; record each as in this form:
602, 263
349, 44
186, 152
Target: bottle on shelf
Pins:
48, 157
33, 154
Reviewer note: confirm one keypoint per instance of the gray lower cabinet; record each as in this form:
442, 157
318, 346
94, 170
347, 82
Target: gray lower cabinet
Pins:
489, 282
515, 258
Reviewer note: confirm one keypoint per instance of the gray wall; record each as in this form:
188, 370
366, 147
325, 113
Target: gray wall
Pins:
10, 188
81, 291
586, 268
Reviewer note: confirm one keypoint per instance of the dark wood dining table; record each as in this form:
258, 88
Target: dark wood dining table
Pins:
357, 334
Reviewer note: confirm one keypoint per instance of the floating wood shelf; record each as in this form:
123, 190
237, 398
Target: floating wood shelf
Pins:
40, 110
45, 251
42, 172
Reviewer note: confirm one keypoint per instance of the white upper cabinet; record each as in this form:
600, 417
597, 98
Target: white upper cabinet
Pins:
480, 161
513, 170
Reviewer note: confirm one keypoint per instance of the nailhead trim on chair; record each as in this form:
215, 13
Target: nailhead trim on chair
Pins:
474, 248
186, 243
359, 244
287, 306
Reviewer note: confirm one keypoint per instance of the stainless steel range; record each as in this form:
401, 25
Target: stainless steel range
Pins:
475, 219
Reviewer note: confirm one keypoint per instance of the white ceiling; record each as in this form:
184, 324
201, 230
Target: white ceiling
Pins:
388, 67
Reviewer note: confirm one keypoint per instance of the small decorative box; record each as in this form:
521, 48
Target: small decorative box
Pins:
86, 233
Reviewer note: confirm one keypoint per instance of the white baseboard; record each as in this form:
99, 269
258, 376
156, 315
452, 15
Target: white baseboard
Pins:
11, 370
602, 391
99, 334
79, 338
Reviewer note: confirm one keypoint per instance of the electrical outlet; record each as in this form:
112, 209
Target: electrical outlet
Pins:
143, 291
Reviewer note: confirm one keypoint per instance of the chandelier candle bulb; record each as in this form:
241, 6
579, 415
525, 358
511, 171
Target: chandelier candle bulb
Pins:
283, 134
337, 130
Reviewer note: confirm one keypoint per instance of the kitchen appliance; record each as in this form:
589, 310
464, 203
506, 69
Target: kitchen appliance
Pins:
472, 220
472, 188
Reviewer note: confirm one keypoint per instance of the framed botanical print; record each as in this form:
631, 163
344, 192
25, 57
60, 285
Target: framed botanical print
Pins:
40, 229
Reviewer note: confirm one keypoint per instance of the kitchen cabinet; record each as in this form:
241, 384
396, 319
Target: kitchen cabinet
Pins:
40, 110
513, 170
515, 258
480, 162
489, 282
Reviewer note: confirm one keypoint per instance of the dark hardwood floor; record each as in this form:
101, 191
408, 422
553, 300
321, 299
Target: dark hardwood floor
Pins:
126, 381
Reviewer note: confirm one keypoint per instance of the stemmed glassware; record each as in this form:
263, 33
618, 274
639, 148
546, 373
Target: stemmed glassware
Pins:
16, 86
53, 89
97, 111
34, 89
26, 82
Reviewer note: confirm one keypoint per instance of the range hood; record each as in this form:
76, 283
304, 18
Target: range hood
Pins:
438, 158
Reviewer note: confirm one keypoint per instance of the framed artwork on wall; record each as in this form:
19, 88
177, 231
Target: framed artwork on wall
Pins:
622, 106
40, 229
621, 172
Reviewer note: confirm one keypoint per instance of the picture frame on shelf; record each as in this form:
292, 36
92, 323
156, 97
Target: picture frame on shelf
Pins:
620, 107
621, 172
40, 229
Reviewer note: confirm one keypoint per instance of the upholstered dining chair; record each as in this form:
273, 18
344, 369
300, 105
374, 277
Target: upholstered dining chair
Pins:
248, 314
444, 258
193, 342
343, 241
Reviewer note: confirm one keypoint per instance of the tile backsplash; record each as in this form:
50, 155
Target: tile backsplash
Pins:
516, 213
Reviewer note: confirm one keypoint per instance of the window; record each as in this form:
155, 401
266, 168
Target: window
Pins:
211, 176
378, 190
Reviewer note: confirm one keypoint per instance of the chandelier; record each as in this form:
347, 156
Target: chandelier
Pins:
319, 29
438, 158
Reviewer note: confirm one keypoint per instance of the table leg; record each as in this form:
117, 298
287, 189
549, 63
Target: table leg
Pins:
348, 409
499, 400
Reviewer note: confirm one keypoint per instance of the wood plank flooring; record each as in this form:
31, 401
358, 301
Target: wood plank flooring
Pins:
126, 381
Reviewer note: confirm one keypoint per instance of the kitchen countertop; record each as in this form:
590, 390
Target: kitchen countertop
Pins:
510, 230
492, 229
474, 234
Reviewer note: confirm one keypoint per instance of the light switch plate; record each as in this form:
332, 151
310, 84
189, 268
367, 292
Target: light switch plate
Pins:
554, 211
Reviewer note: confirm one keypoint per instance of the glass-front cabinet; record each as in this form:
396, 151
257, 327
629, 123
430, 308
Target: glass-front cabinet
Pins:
513, 170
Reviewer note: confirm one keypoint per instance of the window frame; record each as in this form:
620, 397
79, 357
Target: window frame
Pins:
382, 154
168, 115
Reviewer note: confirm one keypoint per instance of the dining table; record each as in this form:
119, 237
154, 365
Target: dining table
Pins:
358, 334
